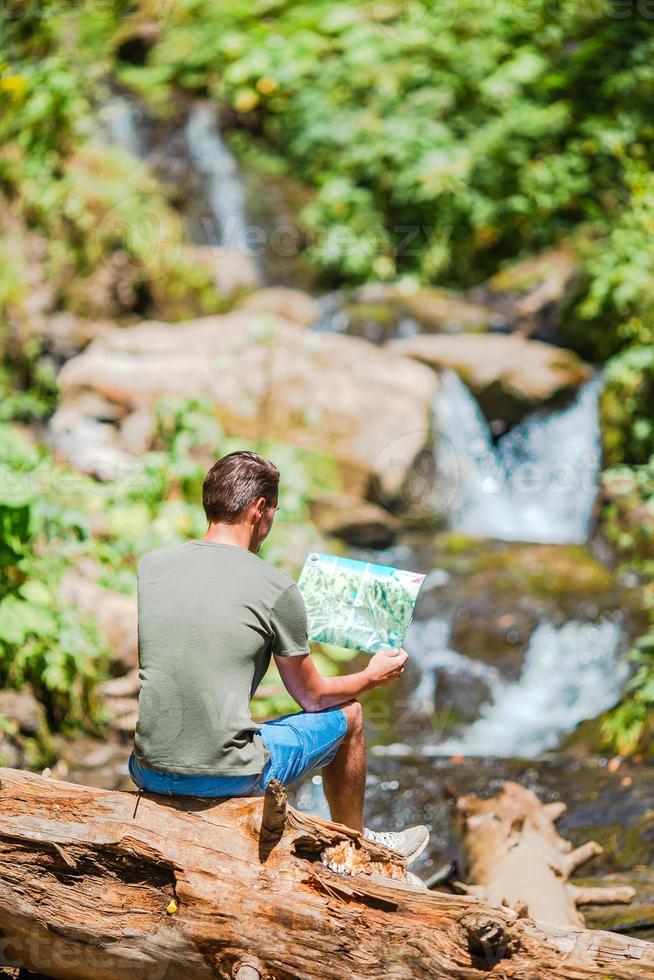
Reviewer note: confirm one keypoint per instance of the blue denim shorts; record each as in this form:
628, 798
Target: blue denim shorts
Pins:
297, 744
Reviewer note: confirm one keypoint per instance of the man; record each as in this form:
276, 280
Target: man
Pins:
211, 614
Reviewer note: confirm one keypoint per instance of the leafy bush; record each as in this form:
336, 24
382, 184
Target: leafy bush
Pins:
629, 525
488, 130
618, 310
50, 646
627, 407
112, 241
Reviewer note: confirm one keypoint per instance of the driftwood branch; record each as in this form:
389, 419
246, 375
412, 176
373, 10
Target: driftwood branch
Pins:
517, 859
181, 891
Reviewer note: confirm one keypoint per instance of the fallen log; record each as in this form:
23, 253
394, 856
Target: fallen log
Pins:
515, 857
101, 885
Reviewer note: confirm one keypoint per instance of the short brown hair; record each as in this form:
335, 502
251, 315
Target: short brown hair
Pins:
235, 481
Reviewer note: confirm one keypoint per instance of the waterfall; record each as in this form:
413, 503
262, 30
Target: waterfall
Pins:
570, 674
122, 125
427, 644
222, 180
538, 483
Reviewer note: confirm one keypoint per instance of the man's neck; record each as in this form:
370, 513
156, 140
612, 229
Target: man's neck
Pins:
239, 534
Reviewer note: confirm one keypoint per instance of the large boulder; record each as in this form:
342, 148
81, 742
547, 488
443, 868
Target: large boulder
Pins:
509, 374
358, 522
232, 271
369, 408
535, 292
435, 310
292, 304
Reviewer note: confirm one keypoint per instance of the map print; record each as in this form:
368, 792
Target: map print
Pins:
357, 604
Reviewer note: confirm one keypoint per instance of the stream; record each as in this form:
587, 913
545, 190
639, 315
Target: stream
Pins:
519, 634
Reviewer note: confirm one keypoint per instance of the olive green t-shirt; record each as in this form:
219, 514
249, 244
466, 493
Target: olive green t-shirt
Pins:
209, 617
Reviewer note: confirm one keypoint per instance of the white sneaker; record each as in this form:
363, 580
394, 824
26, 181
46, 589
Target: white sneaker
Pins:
409, 843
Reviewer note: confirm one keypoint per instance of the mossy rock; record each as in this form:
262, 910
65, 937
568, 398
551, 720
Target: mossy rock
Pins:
376, 322
498, 592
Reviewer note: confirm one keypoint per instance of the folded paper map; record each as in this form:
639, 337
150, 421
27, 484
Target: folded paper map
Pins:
357, 604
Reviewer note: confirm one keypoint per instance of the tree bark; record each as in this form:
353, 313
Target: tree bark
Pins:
516, 858
104, 886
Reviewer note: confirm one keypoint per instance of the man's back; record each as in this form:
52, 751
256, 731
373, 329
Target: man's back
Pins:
210, 615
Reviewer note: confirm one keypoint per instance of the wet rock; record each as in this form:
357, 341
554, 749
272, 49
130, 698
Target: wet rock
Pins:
274, 203
376, 322
292, 304
498, 592
459, 698
88, 444
369, 408
509, 375
358, 522
25, 739
22, 710
97, 762
637, 918
435, 310
535, 293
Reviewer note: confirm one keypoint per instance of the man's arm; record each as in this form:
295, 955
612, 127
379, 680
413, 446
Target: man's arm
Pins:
313, 692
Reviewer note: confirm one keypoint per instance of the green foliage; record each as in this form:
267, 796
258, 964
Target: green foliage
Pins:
112, 241
488, 130
619, 307
629, 525
41, 642
627, 407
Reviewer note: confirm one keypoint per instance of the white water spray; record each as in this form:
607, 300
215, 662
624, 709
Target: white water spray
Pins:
569, 675
537, 484
219, 170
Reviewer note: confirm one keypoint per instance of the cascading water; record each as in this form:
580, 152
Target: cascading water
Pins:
537, 484
222, 180
122, 126
569, 674
427, 644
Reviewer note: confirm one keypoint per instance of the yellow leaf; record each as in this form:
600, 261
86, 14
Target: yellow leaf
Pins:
267, 85
15, 85
172, 907
245, 100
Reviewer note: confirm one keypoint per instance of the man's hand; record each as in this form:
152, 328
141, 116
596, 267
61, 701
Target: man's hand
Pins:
386, 667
